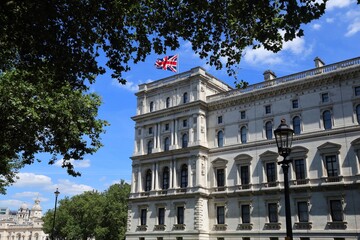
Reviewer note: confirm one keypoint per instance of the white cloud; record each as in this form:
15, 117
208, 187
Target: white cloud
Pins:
130, 86
31, 180
26, 195
77, 164
329, 20
332, 4
260, 56
354, 27
296, 46
12, 204
68, 188
316, 26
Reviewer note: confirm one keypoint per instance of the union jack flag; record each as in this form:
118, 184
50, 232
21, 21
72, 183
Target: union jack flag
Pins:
167, 63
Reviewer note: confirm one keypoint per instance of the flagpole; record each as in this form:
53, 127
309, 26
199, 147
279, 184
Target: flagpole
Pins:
178, 65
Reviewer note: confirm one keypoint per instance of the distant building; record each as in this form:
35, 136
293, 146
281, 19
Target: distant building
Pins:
205, 159
25, 224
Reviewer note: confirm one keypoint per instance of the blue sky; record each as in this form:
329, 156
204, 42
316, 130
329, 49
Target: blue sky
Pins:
334, 37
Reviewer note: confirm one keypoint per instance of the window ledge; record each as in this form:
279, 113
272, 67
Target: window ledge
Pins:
272, 226
245, 226
337, 225
333, 179
220, 227
271, 184
303, 225
142, 228
160, 227
245, 187
179, 227
301, 181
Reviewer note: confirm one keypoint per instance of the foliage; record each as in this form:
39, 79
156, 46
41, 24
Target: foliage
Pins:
241, 84
91, 214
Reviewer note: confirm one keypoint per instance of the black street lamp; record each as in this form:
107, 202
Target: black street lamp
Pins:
53, 228
284, 135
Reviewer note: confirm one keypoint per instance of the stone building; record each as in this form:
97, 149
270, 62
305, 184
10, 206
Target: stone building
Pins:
205, 159
25, 224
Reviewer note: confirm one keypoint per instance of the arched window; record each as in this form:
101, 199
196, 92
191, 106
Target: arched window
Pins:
166, 144
358, 113
220, 138
243, 134
148, 180
149, 147
184, 140
185, 97
327, 119
167, 102
165, 179
151, 106
184, 176
296, 124
268, 130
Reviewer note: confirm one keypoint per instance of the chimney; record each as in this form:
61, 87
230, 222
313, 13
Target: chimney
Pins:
318, 62
269, 75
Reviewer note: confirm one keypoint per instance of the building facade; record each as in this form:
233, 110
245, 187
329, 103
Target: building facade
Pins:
25, 224
205, 159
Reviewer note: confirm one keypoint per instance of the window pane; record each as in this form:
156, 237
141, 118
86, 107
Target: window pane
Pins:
245, 213
219, 119
358, 113
167, 102
244, 172
165, 178
184, 176
300, 169
184, 140
148, 180
336, 210
143, 217
295, 103
161, 216
357, 91
325, 97
242, 114
151, 106
273, 215
180, 215
166, 144
149, 147
221, 215
268, 130
185, 98
303, 212
270, 172
220, 139
331, 166
220, 177
243, 134
296, 125
327, 119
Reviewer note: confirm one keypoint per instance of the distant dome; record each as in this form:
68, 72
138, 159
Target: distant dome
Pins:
36, 206
24, 206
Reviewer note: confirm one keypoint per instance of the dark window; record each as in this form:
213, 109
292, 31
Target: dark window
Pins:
243, 134
244, 172
220, 177
150, 130
185, 123
143, 217
336, 210
295, 103
167, 102
268, 130
327, 119
151, 106
303, 211
220, 120
273, 212
220, 213
300, 169
331, 166
166, 144
185, 98
180, 215
325, 97
139, 131
184, 140
161, 216
296, 125
270, 172
220, 138
245, 213
358, 113
184, 176
166, 176
149, 147
357, 91
148, 177
242, 114
267, 109
167, 127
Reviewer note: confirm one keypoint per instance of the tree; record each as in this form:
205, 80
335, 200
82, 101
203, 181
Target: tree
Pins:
91, 214
54, 45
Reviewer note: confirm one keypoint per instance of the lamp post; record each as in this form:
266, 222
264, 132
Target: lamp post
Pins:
53, 227
284, 135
